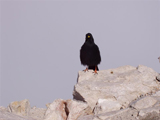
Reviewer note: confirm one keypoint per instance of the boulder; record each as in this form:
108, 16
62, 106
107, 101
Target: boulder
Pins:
20, 107
125, 84
66, 110
56, 111
76, 109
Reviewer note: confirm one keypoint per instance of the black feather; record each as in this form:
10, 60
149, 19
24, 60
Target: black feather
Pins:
89, 53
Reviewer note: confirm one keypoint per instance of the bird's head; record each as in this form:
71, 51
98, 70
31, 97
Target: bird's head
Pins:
89, 38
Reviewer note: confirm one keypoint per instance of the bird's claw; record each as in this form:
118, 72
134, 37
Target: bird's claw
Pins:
95, 73
86, 70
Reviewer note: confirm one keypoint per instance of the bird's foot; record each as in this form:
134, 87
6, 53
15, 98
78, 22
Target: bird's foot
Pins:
95, 72
86, 70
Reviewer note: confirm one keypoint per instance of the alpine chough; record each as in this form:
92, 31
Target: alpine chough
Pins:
90, 54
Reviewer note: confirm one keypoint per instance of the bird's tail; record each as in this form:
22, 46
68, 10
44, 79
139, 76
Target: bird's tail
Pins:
93, 68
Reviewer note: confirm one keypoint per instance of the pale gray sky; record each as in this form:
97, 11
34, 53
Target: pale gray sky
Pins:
40, 43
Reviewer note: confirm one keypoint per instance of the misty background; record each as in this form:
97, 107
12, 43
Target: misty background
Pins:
41, 41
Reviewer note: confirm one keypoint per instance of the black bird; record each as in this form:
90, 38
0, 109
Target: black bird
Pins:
90, 54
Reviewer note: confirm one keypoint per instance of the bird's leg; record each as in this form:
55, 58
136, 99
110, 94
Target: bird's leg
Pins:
86, 69
95, 72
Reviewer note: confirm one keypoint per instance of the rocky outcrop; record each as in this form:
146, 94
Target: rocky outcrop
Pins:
114, 93
122, 85
124, 93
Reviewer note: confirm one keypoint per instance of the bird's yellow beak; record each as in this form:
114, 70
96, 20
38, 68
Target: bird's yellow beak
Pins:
88, 36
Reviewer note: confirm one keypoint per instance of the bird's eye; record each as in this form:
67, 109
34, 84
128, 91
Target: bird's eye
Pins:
88, 36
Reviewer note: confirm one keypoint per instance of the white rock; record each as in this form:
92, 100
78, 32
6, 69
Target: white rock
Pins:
76, 109
157, 94
124, 114
5, 115
20, 107
96, 118
151, 113
125, 84
56, 111
86, 117
37, 113
3, 109
47, 105
144, 103
106, 105
146, 111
